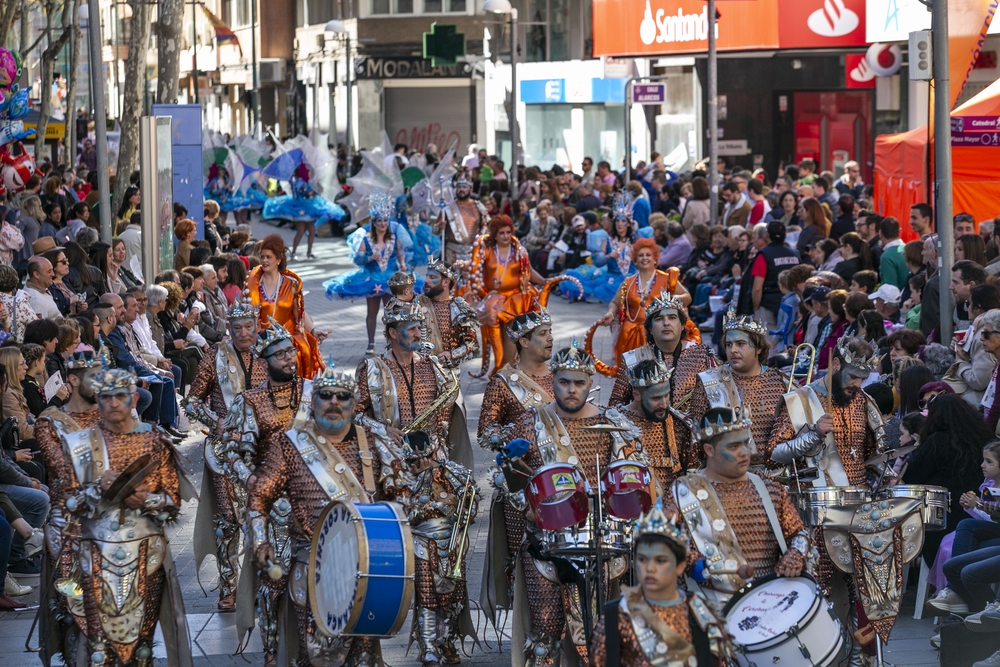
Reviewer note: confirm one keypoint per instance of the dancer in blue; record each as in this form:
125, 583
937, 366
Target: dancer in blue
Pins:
379, 254
305, 207
612, 257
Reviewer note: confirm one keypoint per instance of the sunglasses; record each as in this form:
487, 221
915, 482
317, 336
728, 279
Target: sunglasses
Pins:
342, 396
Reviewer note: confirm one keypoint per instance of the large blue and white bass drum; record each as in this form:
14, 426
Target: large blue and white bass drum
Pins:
361, 569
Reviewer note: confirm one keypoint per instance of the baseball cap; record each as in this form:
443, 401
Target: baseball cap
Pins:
815, 293
888, 293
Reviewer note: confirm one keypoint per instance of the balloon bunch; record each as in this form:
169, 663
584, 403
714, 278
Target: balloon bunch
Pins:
16, 165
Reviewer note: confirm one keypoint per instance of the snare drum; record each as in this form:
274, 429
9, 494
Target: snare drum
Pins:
557, 495
936, 499
374, 597
812, 501
577, 540
626, 486
776, 620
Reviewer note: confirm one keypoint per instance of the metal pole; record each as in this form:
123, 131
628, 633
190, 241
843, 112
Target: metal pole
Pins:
194, 48
515, 133
349, 139
942, 164
100, 117
254, 114
713, 115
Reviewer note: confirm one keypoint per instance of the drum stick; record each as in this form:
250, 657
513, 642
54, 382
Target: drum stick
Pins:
274, 571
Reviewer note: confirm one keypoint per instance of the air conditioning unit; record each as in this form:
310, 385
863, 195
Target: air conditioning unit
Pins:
272, 70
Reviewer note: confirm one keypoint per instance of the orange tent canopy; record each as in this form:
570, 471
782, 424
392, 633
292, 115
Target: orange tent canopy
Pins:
903, 174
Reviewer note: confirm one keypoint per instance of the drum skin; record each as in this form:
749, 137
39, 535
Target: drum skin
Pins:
373, 598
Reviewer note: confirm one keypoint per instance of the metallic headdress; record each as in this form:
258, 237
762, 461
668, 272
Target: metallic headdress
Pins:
523, 325
659, 374
402, 279
705, 430
269, 336
82, 360
572, 358
656, 522
446, 270
745, 323
622, 205
664, 302
859, 361
402, 311
243, 308
328, 377
380, 206
111, 380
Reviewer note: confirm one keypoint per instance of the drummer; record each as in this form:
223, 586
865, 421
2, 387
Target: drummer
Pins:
675, 629
741, 525
319, 460
563, 432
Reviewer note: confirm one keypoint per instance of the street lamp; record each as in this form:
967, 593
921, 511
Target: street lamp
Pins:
92, 8
337, 27
504, 7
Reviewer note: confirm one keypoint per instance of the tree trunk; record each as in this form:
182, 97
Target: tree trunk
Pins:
76, 35
169, 29
48, 62
132, 95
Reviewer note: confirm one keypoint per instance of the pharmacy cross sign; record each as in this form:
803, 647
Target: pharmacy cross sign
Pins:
443, 45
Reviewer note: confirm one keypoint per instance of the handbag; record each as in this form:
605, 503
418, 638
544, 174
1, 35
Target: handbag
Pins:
10, 435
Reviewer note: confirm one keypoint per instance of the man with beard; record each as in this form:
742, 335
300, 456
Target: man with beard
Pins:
229, 369
320, 459
254, 418
512, 391
452, 326
62, 616
651, 411
666, 333
563, 431
742, 526
465, 220
744, 384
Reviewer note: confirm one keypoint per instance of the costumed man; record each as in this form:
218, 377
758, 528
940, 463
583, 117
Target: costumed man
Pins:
742, 525
513, 390
255, 416
744, 384
121, 486
63, 618
320, 459
548, 612
667, 337
230, 368
654, 623
464, 220
410, 395
650, 410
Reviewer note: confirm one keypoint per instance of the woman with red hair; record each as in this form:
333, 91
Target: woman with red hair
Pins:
501, 277
278, 293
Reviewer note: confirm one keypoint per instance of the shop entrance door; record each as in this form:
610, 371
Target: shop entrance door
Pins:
833, 128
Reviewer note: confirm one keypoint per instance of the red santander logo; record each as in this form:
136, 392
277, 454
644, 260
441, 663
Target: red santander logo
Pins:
822, 23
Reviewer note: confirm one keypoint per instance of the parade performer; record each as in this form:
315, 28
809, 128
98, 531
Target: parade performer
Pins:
121, 487
563, 432
255, 416
230, 368
320, 459
651, 411
379, 255
666, 333
501, 278
512, 391
60, 621
463, 222
411, 396
655, 623
741, 525
278, 293
745, 384
451, 321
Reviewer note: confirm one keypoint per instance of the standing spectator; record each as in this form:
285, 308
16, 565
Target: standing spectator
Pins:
772, 259
922, 220
974, 365
815, 224
696, 210
17, 311
844, 221
892, 261
850, 183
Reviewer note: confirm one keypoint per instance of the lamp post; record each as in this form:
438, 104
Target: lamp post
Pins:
92, 8
504, 7
337, 27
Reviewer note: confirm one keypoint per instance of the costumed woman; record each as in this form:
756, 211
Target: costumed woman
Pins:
502, 278
305, 207
379, 255
612, 259
278, 293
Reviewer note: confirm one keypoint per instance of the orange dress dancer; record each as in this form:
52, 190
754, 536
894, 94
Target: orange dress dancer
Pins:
286, 305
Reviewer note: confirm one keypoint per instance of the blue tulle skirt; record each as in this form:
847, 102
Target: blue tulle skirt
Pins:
599, 284
313, 209
365, 282
426, 244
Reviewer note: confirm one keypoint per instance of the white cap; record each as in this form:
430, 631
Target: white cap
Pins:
888, 293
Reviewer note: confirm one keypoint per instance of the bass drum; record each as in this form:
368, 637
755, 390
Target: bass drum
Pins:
783, 621
371, 599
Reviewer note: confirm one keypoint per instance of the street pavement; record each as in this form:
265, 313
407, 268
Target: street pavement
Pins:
214, 634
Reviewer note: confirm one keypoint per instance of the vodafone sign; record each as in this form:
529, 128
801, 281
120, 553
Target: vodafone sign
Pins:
657, 27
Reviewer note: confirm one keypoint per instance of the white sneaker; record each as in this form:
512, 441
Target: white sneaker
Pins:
33, 544
992, 661
13, 587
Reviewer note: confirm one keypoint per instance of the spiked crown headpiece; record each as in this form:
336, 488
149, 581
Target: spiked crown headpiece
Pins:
269, 336
745, 323
656, 522
859, 361
243, 308
665, 301
523, 325
328, 377
572, 358
705, 430
444, 269
379, 206
402, 311
622, 205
